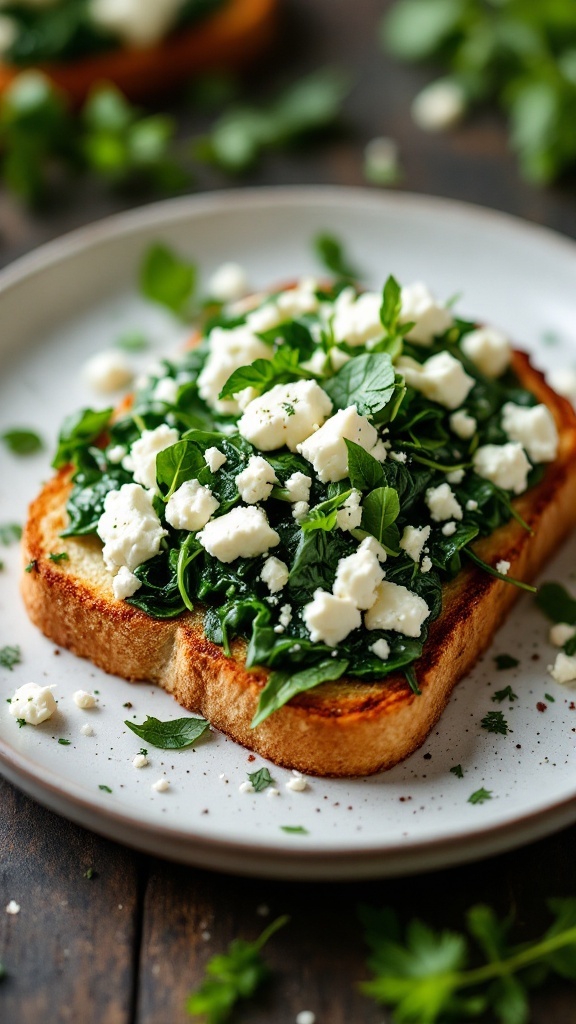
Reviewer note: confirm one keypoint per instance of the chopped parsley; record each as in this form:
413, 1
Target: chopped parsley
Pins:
506, 694
21, 722
457, 770
10, 533
505, 661
480, 796
297, 830
105, 789
261, 779
494, 721
61, 556
90, 874
32, 566
10, 656
63, 742
550, 698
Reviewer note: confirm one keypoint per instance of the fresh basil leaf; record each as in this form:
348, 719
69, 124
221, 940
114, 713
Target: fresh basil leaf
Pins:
79, 430
330, 252
175, 734
556, 603
367, 381
21, 441
324, 516
391, 305
380, 509
167, 279
364, 470
263, 374
282, 686
180, 462
295, 334
261, 779
159, 596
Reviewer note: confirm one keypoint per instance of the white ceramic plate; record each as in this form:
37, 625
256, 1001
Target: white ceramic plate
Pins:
73, 298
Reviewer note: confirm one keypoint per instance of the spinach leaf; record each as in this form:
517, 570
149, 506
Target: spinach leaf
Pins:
92, 483
380, 510
261, 779
173, 735
364, 470
168, 279
295, 334
444, 551
391, 305
78, 430
330, 252
315, 562
175, 465
282, 686
263, 374
159, 595
555, 601
367, 381
324, 515
237, 616
21, 441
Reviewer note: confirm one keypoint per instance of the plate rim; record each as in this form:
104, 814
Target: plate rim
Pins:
404, 857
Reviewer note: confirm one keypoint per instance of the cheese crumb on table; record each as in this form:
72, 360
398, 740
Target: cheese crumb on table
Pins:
246, 787
160, 786
108, 371
140, 761
560, 633
87, 730
33, 704
13, 908
83, 699
305, 1017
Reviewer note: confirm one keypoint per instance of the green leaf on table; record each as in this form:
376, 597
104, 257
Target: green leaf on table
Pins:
505, 661
168, 279
556, 603
10, 656
480, 796
367, 381
282, 686
232, 977
260, 779
21, 441
331, 254
457, 770
172, 735
10, 533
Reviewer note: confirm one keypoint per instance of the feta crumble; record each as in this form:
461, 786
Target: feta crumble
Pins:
413, 540
214, 458
298, 487
439, 106
443, 503
326, 448
83, 699
349, 515
441, 378
357, 318
228, 283
397, 608
358, 577
489, 349
242, 532
274, 574
329, 619
256, 481
534, 428
140, 761
129, 528
191, 506
297, 784
141, 459
502, 567
13, 908
246, 787
228, 351
108, 371
35, 704
463, 424
564, 668
505, 465
160, 786
560, 633
430, 317
87, 730
285, 415
381, 649
125, 583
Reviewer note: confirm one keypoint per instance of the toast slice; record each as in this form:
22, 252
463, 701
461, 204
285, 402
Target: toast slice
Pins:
230, 38
345, 728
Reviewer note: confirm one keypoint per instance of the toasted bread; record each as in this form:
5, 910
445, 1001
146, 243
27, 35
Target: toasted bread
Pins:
227, 39
345, 728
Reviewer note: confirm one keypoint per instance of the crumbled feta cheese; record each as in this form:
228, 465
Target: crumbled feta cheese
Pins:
272, 791
426, 564
413, 540
242, 532
338, 357
349, 516
141, 460
125, 583
292, 303
563, 382
9, 31
305, 1017
138, 23
129, 527
397, 608
560, 633
285, 615
488, 349
228, 283
274, 574
13, 907
297, 784
456, 476
214, 459
371, 544
285, 415
108, 371
83, 699
442, 378
166, 391
326, 449
502, 567
116, 453
300, 509
399, 456
191, 506
449, 529
534, 428
87, 730
256, 481
382, 161
246, 787
33, 703
229, 350
471, 505
358, 577
564, 668
439, 106
443, 503
160, 786
298, 487
357, 318
505, 465
462, 424
381, 649
419, 307
140, 761
330, 619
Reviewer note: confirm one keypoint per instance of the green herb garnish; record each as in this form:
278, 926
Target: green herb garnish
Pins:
261, 779
457, 770
10, 656
506, 693
63, 742
60, 556
494, 721
297, 830
480, 796
232, 977
330, 252
10, 533
505, 661
105, 789
427, 977
167, 279
173, 735
22, 441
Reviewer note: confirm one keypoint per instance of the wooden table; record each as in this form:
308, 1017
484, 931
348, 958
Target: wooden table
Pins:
129, 944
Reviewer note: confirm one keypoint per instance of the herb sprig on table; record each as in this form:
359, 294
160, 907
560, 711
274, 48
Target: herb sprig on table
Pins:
429, 977
520, 55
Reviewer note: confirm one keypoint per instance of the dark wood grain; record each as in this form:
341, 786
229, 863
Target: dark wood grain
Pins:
72, 955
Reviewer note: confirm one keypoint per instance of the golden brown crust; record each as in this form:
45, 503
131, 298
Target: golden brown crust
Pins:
343, 728
227, 39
